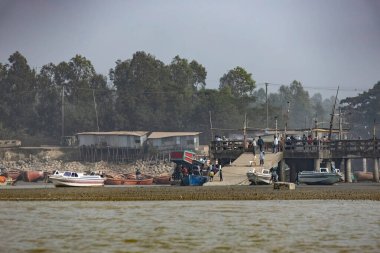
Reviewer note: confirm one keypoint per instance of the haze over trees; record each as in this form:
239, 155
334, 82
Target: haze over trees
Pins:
146, 94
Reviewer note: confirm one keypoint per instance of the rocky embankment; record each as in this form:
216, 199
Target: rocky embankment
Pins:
48, 162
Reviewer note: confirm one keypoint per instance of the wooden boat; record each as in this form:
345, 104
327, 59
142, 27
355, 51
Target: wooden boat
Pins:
162, 179
14, 174
114, 180
33, 175
142, 179
71, 178
363, 176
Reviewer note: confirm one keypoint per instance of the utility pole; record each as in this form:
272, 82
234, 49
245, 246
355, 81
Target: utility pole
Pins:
374, 129
266, 94
212, 134
287, 117
63, 113
340, 123
245, 131
332, 114
275, 118
96, 111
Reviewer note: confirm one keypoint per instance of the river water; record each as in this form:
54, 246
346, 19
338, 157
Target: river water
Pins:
190, 226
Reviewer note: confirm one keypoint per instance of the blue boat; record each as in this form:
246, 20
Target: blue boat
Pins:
193, 180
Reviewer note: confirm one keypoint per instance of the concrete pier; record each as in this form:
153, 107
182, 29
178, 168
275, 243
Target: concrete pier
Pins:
364, 164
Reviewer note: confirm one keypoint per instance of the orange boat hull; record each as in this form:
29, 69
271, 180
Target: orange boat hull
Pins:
114, 181
144, 181
33, 175
162, 180
363, 176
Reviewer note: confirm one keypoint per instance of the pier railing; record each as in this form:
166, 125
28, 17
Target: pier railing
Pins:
300, 149
333, 149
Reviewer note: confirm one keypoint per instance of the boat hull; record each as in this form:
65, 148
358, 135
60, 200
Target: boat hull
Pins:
83, 181
162, 179
318, 178
33, 176
147, 181
193, 180
363, 176
14, 174
259, 178
114, 181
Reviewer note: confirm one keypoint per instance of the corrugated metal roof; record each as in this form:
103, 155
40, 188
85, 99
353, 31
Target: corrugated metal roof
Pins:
157, 135
130, 133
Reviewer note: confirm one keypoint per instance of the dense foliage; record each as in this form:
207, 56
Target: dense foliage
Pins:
145, 94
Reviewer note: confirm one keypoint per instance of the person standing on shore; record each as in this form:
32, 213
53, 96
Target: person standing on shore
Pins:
262, 157
260, 142
254, 144
275, 144
220, 173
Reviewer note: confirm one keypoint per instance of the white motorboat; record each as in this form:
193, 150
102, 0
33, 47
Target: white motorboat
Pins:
259, 176
70, 178
321, 177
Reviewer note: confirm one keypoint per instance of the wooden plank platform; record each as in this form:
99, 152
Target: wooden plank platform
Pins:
284, 186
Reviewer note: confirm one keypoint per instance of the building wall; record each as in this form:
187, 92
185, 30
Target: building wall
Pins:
115, 141
176, 142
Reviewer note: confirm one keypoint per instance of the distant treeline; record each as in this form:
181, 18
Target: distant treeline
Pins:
145, 94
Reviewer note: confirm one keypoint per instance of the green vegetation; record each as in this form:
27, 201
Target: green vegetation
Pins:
146, 94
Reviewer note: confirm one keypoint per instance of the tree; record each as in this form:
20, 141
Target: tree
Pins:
20, 88
363, 111
239, 81
299, 103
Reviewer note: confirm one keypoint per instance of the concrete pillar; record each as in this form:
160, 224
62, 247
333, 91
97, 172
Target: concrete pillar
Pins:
364, 164
348, 173
376, 170
317, 164
342, 168
281, 164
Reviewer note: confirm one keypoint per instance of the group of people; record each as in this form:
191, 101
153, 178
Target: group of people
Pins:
181, 171
260, 144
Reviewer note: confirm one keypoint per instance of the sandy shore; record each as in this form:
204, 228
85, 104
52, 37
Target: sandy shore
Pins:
47, 192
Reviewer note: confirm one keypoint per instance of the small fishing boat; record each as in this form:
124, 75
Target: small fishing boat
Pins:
14, 174
33, 175
363, 176
141, 179
321, 177
193, 180
259, 175
71, 178
117, 180
162, 179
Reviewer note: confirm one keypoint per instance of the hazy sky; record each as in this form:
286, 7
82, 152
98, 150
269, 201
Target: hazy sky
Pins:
322, 43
